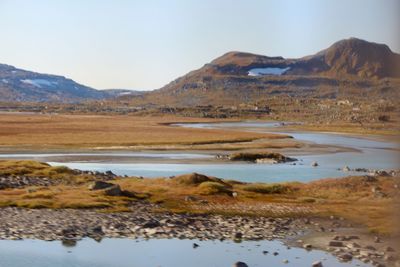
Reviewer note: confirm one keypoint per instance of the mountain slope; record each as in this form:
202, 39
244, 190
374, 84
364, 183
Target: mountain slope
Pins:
352, 57
350, 66
21, 85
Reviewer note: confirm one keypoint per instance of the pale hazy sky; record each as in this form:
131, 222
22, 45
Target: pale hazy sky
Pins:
146, 44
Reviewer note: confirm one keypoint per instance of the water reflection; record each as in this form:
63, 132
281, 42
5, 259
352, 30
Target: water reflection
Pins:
159, 252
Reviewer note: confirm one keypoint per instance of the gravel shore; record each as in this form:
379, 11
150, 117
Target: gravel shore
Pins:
71, 225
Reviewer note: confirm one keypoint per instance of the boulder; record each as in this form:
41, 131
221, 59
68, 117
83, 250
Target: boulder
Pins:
314, 164
99, 185
346, 169
346, 257
114, 190
238, 235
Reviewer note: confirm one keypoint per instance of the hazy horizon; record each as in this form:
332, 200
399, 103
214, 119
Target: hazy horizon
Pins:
144, 45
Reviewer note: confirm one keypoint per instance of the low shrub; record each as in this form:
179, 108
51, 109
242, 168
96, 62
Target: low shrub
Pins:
267, 188
213, 188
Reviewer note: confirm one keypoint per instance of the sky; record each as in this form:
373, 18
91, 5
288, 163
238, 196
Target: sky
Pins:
145, 44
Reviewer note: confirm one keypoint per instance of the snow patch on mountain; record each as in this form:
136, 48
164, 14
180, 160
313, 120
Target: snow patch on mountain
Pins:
267, 71
40, 82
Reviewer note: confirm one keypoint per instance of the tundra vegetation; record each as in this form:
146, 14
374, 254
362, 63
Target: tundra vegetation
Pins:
366, 200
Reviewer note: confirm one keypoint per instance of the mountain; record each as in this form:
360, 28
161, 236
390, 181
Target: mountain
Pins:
350, 66
352, 57
26, 86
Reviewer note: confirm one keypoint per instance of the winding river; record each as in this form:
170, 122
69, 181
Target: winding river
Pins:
364, 153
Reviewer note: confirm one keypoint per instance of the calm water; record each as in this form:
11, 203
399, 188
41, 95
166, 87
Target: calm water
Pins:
179, 253
239, 171
370, 154
158, 252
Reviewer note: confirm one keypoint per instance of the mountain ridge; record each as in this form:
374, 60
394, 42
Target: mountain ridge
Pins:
352, 63
350, 66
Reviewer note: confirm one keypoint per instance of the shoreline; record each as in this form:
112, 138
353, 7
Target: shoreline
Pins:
69, 225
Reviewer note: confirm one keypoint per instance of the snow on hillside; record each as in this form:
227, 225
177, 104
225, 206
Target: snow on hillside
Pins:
40, 82
267, 71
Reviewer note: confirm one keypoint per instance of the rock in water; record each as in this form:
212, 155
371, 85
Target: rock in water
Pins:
346, 257
314, 164
317, 264
240, 264
307, 246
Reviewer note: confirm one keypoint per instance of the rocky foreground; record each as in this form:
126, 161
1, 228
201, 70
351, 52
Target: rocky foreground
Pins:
70, 205
72, 225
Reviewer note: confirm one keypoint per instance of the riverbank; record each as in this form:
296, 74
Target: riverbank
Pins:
336, 235
53, 132
39, 201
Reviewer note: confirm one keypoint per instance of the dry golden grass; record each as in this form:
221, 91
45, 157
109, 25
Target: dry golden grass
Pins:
388, 130
95, 130
40, 169
354, 198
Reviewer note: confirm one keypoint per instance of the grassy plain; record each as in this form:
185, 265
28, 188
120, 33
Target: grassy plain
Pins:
91, 131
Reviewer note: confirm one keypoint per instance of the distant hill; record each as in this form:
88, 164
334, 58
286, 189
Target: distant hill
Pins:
17, 85
350, 66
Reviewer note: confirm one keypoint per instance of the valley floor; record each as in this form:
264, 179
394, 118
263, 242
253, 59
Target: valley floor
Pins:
73, 204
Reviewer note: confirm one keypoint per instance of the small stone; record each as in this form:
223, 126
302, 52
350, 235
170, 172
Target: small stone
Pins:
346, 257
240, 264
389, 258
336, 244
285, 261
307, 246
389, 249
370, 247
275, 253
353, 245
238, 235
